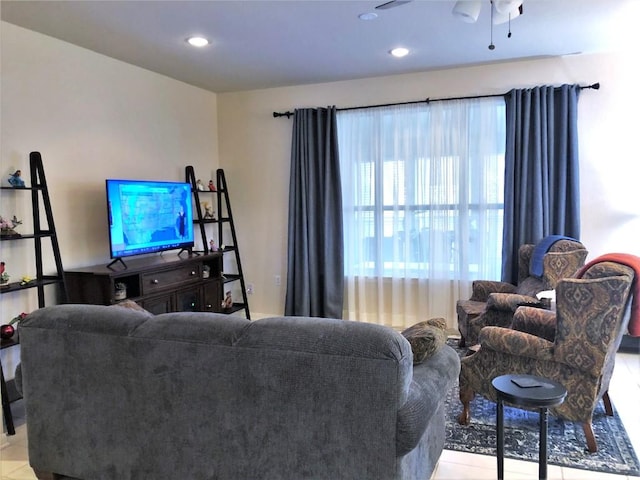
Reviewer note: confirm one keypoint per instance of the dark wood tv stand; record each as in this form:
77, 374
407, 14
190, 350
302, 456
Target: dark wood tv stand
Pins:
161, 283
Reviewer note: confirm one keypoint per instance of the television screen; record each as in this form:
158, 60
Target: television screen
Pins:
147, 216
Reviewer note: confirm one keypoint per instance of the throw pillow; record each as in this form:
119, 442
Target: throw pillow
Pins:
133, 306
426, 338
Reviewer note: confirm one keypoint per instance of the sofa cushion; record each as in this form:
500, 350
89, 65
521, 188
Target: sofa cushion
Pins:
361, 342
324, 336
426, 338
194, 327
83, 318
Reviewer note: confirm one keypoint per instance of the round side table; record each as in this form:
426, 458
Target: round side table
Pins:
527, 391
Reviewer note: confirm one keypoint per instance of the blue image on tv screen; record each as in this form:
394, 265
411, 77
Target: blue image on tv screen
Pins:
147, 216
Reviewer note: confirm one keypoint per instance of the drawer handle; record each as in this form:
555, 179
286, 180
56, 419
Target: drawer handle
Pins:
209, 306
193, 273
155, 281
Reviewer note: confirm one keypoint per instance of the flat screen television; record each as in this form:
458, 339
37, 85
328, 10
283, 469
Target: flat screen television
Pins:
147, 217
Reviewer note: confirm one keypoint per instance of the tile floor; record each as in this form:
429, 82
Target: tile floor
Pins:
624, 392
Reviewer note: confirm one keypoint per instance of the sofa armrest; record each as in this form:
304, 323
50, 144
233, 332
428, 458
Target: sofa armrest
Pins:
481, 289
432, 379
511, 301
18, 379
516, 343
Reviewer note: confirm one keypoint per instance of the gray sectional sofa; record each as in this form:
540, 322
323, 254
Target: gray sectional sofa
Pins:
115, 393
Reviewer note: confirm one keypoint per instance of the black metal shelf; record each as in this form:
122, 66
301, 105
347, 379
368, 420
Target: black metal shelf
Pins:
211, 220
41, 230
205, 221
27, 236
16, 286
223, 204
23, 189
236, 308
230, 277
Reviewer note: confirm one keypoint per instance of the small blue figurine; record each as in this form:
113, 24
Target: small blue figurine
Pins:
15, 181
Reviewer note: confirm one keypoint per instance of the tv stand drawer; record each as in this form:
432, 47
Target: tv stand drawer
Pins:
156, 281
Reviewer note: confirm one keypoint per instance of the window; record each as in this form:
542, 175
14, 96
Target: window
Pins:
423, 189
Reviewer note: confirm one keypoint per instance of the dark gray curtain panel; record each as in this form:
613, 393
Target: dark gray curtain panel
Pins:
315, 270
542, 192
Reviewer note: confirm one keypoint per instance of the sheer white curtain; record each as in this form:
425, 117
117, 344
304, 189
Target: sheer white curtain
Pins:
422, 188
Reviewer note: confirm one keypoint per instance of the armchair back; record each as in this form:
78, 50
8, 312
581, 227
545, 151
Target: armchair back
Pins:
562, 260
494, 303
590, 316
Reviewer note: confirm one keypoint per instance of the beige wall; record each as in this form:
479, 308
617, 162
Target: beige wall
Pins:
255, 149
93, 117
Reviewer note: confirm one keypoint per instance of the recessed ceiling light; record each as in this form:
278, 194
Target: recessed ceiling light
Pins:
368, 16
399, 52
196, 41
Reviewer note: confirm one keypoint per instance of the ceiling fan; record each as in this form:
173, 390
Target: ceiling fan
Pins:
392, 4
502, 11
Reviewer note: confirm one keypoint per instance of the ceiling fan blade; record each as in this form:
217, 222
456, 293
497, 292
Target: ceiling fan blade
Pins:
392, 4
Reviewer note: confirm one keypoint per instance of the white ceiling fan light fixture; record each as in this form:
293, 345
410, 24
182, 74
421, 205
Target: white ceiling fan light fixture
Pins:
499, 18
467, 10
504, 7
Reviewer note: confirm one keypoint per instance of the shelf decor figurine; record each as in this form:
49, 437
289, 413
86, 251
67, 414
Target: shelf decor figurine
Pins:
212, 186
200, 186
7, 227
120, 292
8, 330
209, 214
228, 300
4, 276
15, 179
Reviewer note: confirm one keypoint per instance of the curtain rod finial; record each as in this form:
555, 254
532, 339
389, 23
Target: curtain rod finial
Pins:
596, 86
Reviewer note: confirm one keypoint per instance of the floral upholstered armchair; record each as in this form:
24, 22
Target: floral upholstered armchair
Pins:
575, 345
494, 303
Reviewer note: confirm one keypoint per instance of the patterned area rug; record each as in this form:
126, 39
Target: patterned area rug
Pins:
566, 440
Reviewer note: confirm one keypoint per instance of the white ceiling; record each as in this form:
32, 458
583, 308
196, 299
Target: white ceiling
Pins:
269, 43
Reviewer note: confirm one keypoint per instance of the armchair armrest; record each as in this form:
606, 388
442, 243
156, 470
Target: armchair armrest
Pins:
516, 343
511, 301
535, 321
481, 289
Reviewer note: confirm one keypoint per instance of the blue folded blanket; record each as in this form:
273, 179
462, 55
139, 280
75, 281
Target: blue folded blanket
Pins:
540, 250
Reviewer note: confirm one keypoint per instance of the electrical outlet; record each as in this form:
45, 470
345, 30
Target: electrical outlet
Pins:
277, 280
249, 288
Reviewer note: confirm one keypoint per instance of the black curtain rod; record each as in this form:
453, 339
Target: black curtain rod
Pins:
595, 86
